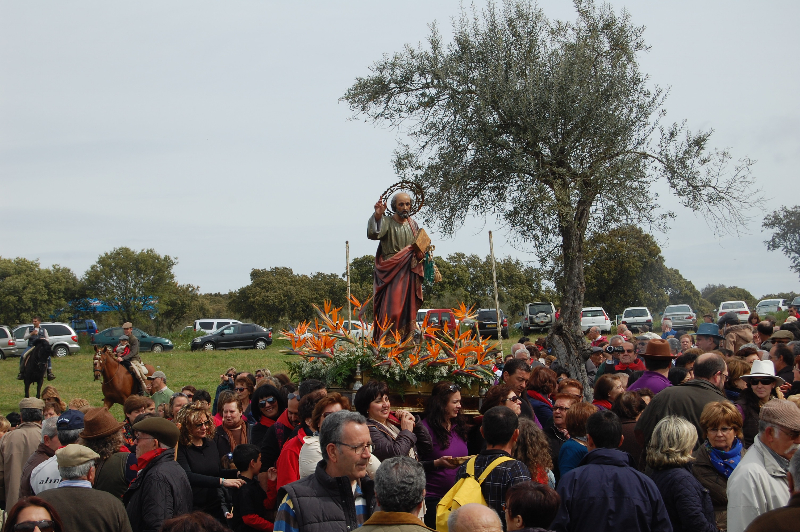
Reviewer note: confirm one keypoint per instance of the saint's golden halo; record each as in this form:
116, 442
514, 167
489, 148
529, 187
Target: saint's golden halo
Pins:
412, 189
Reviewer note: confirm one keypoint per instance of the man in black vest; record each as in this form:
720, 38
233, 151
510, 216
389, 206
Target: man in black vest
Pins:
35, 332
339, 496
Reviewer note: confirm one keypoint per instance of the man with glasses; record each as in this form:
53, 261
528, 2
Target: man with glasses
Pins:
759, 482
159, 392
516, 374
688, 399
339, 496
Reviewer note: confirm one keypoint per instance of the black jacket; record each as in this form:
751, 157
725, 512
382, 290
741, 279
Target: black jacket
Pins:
688, 502
203, 471
160, 492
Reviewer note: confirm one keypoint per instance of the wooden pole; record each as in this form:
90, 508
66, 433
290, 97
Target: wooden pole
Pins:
349, 308
496, 299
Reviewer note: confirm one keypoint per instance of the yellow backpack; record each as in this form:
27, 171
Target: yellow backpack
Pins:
466, 491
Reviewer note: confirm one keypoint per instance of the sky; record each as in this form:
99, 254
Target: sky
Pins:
213, 132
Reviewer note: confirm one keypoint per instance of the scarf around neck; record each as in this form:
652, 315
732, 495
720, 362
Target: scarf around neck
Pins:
539, 397
146, 458
603, 404
725, 461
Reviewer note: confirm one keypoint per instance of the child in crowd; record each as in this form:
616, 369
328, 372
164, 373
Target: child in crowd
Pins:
250, 503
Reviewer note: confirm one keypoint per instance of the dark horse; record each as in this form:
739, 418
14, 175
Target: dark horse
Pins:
118, 383
36, 366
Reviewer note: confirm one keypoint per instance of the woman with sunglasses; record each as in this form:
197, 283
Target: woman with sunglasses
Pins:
199, 457
719, 454
500, 395
762, 386
32, 514
267, 406
441, 438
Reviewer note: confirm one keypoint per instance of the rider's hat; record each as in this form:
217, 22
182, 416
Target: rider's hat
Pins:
124, 337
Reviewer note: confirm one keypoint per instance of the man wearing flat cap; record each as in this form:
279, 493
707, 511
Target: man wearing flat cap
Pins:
15, 448
79, 506
658, 359
161, 490
131, 359
759, 482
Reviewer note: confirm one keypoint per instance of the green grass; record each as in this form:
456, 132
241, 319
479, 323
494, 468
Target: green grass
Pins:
201, 369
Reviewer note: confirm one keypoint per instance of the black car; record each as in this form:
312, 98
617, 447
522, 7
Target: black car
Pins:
486, 323
235, 336
110, 336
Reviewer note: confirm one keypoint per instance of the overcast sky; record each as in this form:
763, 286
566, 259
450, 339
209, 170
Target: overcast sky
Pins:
213, 131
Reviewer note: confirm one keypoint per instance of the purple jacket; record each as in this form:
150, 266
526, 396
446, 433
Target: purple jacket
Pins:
652, 380
440, 480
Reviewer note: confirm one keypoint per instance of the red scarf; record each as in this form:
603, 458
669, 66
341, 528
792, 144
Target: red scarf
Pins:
147, 457
539, 397
266, 421
602, 402
637, 365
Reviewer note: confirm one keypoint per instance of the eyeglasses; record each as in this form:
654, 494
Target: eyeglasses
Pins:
628, 351
793, 434
561, 408
179, 394
515, 399
231, 375
28, 526
189, 395
266, 400
780, 341
766, 381
293, 396
241, 389
359, 449
722, 430
454, 387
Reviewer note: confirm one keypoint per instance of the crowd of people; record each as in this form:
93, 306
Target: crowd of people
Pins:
682, 432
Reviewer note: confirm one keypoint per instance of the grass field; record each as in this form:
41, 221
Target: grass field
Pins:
201, 369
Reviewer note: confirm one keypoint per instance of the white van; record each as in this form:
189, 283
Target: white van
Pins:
212, 324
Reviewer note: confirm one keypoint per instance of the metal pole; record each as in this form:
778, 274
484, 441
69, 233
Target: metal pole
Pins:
496, 300
349, 308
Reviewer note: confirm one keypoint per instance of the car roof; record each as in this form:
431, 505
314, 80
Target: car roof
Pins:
734, 301
592, 308
632, 308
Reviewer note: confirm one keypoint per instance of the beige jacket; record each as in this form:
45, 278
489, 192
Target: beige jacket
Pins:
15, 449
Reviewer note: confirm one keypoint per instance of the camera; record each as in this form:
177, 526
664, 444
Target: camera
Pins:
610, 349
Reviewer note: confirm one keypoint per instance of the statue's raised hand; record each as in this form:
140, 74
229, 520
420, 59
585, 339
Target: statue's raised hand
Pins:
380, 209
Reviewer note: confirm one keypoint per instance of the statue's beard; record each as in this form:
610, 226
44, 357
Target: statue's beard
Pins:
403, 214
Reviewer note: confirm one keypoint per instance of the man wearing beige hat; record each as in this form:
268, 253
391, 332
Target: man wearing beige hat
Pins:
159, 392
79, 506
161, 490
133, 341
16, 447
759, 482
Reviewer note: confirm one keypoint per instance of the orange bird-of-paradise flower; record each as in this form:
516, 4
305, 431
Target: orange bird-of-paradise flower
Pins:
462, 313
297, 338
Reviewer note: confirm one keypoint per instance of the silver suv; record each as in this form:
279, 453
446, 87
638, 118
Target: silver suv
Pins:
8, 347
62, 338
682, 316
538, 317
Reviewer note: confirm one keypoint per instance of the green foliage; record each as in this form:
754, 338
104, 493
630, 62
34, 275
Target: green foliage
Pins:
175, 304
28, 290
717, 293
625, 268
785, 226
788, 296
125, 279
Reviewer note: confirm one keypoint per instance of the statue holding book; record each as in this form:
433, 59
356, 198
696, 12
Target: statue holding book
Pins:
399, 263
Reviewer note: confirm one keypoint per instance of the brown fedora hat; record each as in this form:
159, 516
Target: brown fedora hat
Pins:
99, 423
658, 348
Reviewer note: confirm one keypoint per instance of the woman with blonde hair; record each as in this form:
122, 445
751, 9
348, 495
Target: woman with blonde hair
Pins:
198, 455
719, 454
669, 454
533, 450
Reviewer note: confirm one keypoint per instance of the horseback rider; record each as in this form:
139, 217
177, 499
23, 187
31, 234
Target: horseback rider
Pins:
34, 333
131, 359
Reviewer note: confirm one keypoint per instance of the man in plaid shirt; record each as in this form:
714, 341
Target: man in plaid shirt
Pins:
500, 429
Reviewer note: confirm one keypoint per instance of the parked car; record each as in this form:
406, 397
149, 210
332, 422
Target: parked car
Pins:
235, 336
63, 339
8, 346
538, 317
771, 306
110, 336
636, 317
796, 303
740, 307
595, 317
356, 330
442, 318
486, 323
88, 327
421, 313
682, 316
210, 325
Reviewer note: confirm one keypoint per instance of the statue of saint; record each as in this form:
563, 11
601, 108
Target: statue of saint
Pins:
398, 266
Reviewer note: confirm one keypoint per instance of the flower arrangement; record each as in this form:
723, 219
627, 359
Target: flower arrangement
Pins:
330, 353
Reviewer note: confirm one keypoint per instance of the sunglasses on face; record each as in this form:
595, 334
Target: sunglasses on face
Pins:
762, 381
240, 389
514, 399
269, 400
231, 375
29, 526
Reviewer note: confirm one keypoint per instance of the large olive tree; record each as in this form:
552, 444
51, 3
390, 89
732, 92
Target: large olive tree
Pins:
551, 128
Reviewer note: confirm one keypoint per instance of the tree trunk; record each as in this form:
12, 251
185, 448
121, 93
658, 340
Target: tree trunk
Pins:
566, 339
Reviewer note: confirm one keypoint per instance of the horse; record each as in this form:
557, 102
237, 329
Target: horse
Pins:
118, 383
36, 366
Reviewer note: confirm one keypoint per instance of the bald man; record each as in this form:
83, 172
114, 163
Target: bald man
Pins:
474, 517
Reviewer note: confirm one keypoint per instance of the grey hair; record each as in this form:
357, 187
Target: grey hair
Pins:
75, 472
617, 337
49, 428
525, 353
672, 443
332, 428
674, 345
69, 436
399, 484
452, 520
794, 469
30, 415
764, 425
